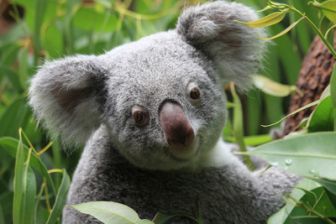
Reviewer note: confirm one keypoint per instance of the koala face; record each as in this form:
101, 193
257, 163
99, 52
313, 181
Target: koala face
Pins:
160, 97
161, 106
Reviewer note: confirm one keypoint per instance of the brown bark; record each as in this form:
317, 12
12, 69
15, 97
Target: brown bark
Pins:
9, 13
314, 77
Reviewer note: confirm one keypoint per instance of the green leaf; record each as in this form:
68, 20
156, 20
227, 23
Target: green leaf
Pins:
330, 185
40, 10
29, 197
93, 20
297, 193
13, 77
322, 118
18, 184
2, 216
307, 155
14, 117
110, 212
60, 199
328, 8
52, 41
23, 59
333, 87
253, 140
333, 93
257, 140
268, 20
9, 145
24, 188
312, 203
271, 87
161, 218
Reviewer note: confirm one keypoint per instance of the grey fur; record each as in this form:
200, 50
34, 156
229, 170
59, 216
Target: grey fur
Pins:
234, 49
77, 96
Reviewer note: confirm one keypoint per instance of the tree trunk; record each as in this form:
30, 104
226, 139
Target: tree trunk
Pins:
314, 77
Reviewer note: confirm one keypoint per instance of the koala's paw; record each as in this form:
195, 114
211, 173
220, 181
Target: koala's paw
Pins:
277, 180
274, 185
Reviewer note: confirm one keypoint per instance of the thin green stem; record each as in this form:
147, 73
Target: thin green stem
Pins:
238, 128
316, 29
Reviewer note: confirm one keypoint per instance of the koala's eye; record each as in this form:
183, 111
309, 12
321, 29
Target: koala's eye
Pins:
194, 91
140, 115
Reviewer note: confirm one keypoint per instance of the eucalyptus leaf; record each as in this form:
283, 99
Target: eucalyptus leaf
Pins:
19, 185
312, 203
9, 145
24, 188
15, 116
271, 87
282, 215
161, 218
322, 117
307, 155
330, 185
333, 87
329, 9
333, 93
268, 20
13, 77
2, 216
110, 212
60, 199
29, 196
89, 18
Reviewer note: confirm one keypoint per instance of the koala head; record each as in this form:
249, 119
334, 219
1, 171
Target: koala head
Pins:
161, 98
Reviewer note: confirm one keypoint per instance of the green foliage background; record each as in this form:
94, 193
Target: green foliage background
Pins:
55, 28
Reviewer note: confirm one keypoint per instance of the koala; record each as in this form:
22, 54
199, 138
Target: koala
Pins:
151, 114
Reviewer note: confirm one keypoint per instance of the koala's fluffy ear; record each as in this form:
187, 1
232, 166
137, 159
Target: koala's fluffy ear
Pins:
235, 49
67, 95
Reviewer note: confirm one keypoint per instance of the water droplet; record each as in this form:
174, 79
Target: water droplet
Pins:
288, 162
275, 164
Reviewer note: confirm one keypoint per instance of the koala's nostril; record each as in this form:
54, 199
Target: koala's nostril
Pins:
177, 128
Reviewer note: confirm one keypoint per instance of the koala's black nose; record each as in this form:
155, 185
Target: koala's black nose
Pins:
178, 131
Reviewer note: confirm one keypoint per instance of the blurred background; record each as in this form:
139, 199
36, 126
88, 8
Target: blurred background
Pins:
32, 31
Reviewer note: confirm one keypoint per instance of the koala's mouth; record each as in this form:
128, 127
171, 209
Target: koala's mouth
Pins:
184, 159
186, 153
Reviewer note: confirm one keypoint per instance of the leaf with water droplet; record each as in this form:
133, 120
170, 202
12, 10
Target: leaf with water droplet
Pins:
288, 162
308, 152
